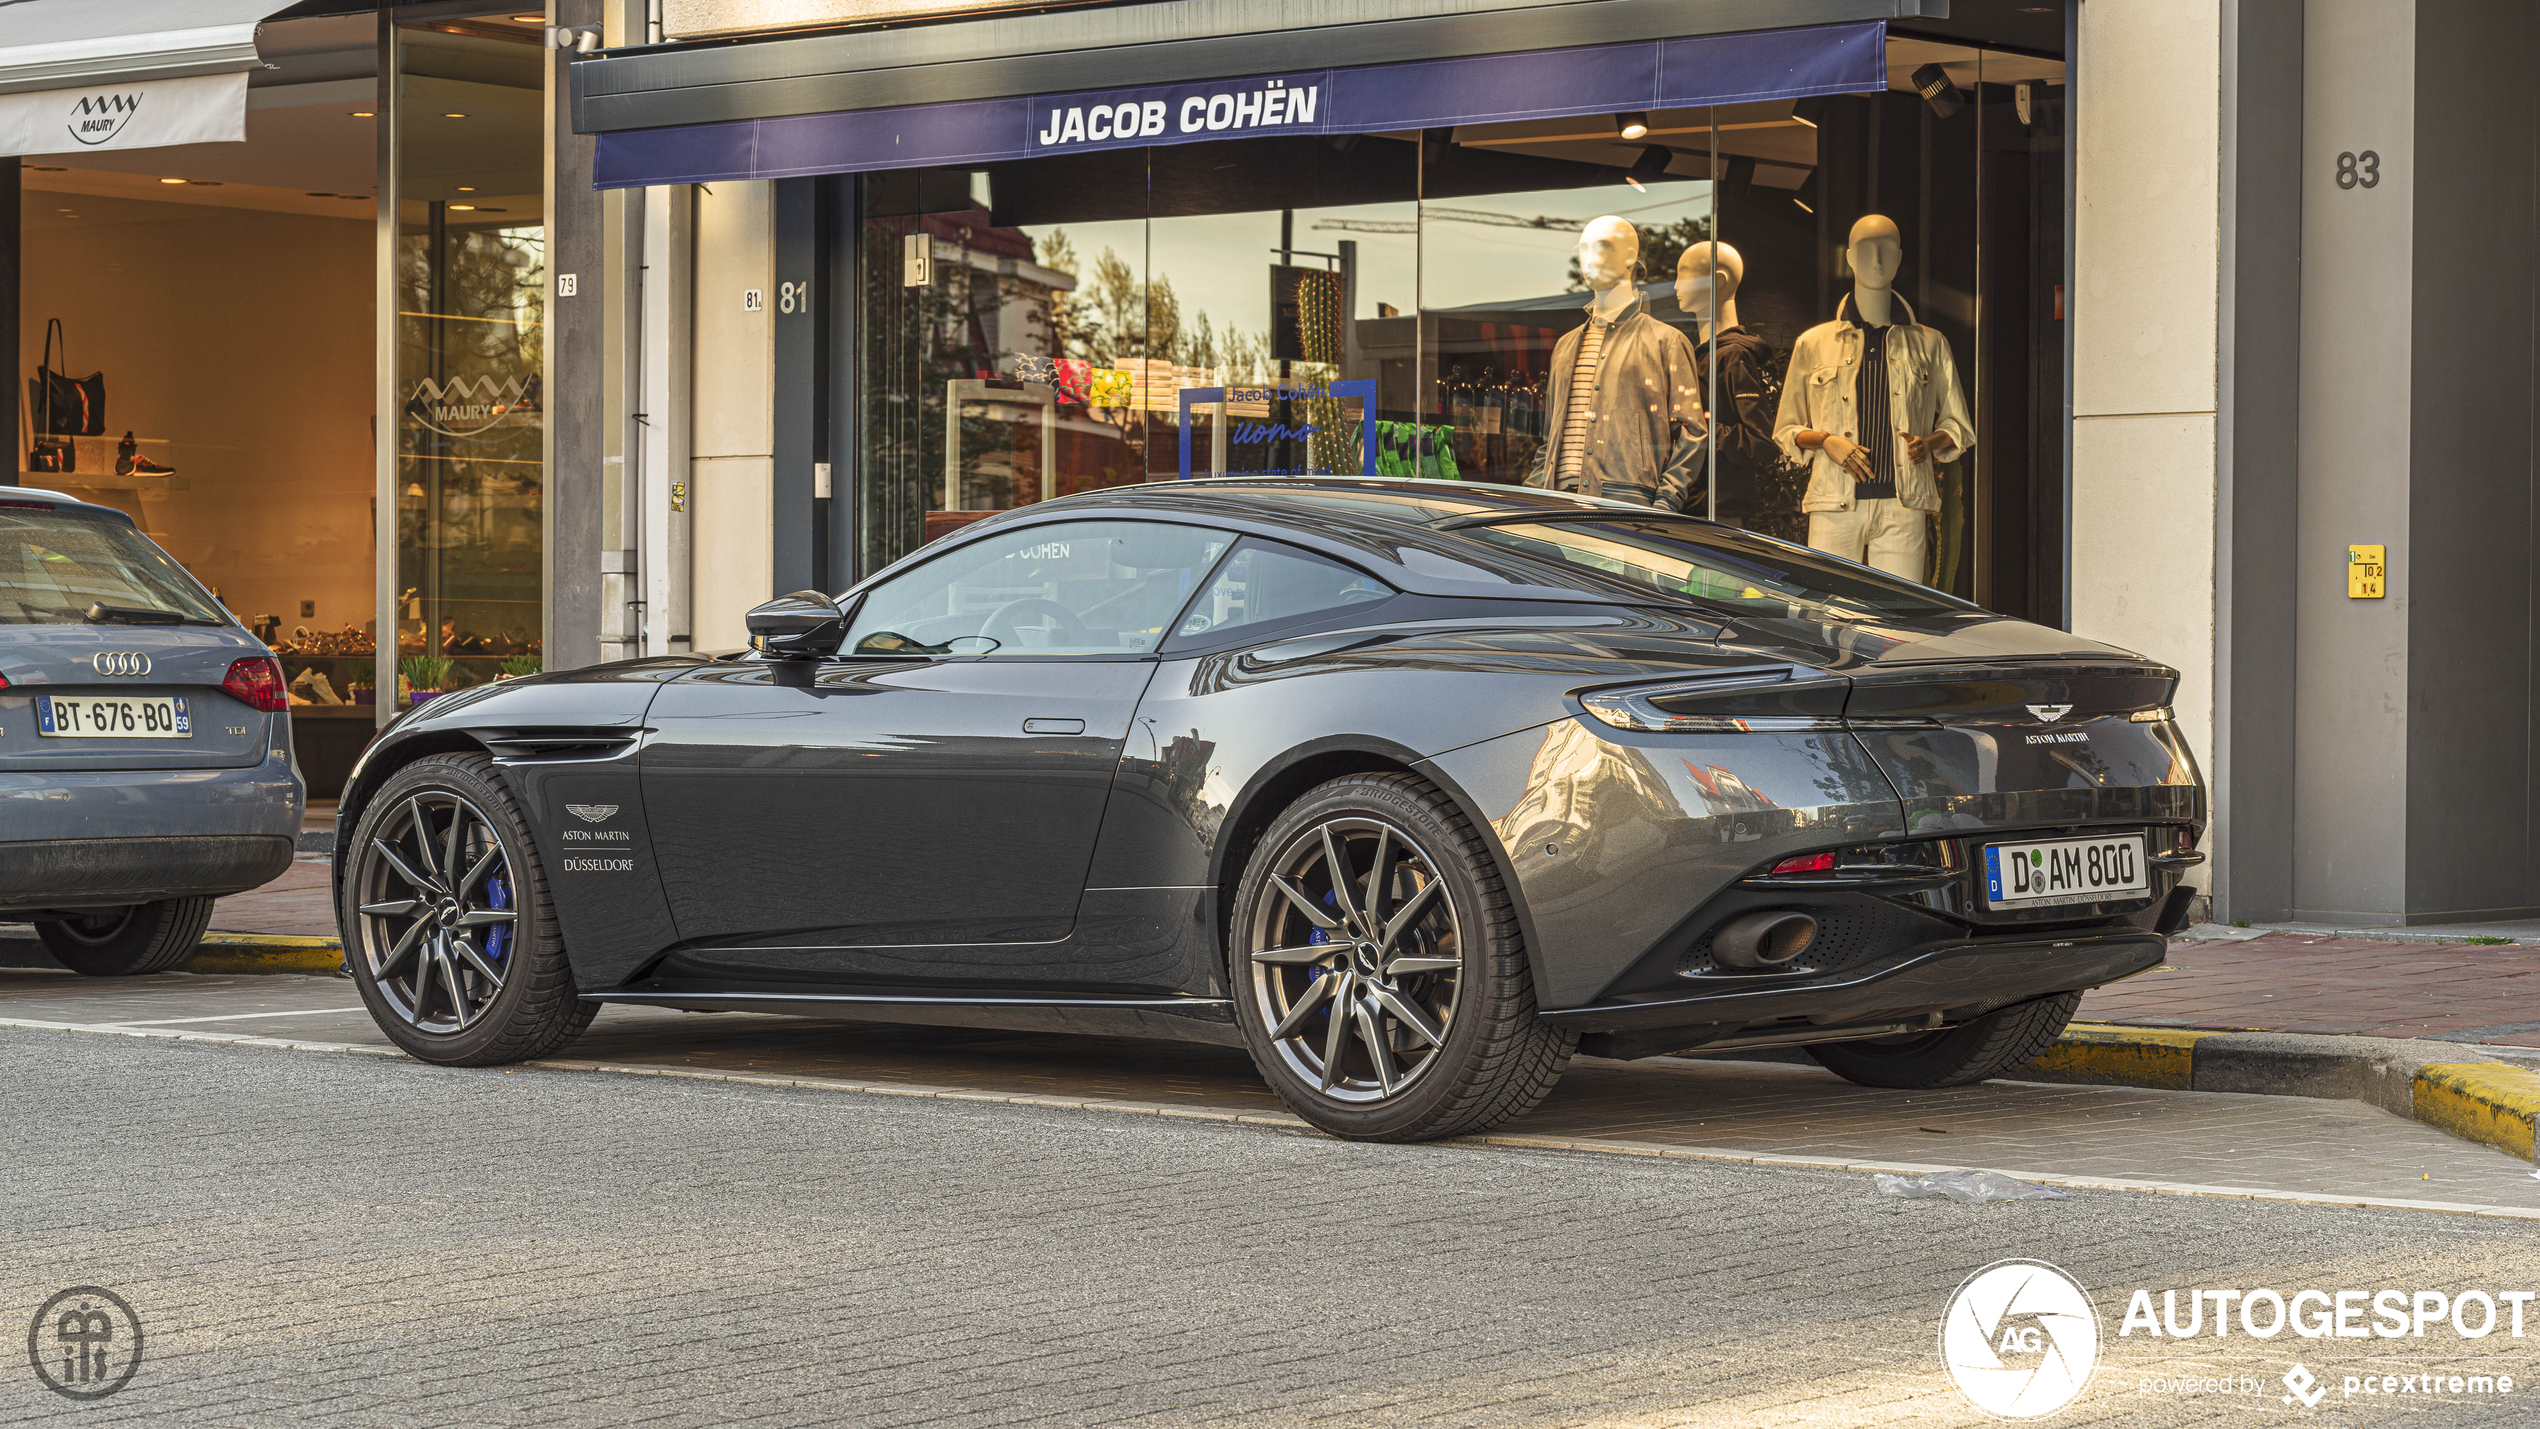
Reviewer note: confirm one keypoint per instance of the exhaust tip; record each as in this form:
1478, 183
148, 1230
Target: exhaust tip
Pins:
1763, 940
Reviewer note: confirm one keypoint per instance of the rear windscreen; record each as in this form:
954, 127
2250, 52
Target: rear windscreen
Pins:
55, 564
1721, 567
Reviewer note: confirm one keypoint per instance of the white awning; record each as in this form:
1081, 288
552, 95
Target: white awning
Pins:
75, 44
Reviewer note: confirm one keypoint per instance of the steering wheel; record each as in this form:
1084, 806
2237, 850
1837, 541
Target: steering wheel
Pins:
1002, 625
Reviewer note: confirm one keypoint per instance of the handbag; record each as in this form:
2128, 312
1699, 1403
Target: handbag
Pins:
59, 404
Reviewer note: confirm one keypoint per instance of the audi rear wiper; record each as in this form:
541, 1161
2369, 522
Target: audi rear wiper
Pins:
100, 613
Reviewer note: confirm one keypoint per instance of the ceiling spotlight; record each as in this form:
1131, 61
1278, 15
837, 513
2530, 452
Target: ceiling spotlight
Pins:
361, 114
171, 181
466, 189
1932, 83
462, 208
1650, 167
454, 116
1631, 124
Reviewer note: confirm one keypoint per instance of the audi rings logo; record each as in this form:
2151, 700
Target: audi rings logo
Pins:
120, 662
2020, 1339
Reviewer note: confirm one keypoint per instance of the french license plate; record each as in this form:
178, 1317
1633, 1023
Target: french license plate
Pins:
2041, 875
113, 717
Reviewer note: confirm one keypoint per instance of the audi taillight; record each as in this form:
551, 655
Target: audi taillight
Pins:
257, 682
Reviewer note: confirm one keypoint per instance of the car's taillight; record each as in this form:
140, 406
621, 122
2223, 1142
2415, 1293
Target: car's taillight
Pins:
257, 680
1806, 863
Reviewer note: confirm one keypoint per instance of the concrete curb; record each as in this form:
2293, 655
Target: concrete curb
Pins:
218, 953
265, 953
2493, 1103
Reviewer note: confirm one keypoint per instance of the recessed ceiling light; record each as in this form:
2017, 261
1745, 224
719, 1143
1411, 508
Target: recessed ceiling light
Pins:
466, 189
362, 114
454, 116
462, 208
529, 19
171, 181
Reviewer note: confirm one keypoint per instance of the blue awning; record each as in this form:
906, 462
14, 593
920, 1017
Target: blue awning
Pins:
1491, 89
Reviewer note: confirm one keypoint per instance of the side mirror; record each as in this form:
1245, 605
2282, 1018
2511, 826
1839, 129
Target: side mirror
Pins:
803, 626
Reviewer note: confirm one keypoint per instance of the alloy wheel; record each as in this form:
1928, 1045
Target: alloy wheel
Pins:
1356, 959
437, 912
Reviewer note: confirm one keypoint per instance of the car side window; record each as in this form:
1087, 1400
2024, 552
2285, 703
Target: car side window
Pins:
1074, 588
1266, 586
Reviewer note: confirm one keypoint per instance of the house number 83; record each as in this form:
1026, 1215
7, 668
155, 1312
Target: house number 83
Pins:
2359, 169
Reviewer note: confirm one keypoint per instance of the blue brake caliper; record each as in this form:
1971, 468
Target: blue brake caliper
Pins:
1317, 937
498, 892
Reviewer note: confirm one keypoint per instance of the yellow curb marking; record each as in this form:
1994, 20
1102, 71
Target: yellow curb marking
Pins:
2158, 1057
2493, 1103
265, 953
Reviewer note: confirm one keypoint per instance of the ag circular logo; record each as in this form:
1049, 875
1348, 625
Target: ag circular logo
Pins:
85, 1343
2020, 1338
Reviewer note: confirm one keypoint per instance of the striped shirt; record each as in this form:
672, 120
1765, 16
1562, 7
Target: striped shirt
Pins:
1871, 400
1574, 422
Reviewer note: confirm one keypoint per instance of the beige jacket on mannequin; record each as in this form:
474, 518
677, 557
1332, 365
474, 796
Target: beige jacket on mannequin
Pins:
1923, 393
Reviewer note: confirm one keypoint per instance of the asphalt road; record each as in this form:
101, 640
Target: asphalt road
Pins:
315, 1238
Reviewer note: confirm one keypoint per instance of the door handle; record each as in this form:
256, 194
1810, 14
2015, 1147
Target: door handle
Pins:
1053, 726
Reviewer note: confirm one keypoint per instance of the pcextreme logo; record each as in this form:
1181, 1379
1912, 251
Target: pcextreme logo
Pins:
2020, 1339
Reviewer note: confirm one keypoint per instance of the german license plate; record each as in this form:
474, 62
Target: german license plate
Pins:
2041, 875
113, 717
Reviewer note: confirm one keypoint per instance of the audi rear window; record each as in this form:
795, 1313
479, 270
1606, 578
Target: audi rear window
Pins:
55, 564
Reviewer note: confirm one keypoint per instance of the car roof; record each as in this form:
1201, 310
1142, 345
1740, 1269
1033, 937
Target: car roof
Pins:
59, 501
1388, 526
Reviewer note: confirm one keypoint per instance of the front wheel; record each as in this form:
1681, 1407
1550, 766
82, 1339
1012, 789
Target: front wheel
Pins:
447, 925
1380, 980
128, 942
1998, 1042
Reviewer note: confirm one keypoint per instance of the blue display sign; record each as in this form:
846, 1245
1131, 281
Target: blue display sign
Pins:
1484, 89
1267, 432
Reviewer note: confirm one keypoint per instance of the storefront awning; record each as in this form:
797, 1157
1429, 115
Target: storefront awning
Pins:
1487, 89
77, 74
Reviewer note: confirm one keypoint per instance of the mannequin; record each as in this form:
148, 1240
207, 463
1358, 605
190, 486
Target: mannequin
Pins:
1872, 403
1609, 249
1703, 271
1707, 279
1623, 414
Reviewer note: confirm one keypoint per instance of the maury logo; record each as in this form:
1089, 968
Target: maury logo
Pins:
2020, 1339
590, 813
98, 118
462, 406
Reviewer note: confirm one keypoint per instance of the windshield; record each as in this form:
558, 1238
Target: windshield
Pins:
1721, 566
55, 564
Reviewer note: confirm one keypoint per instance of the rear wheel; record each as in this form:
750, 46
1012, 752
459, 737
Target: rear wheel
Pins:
1379, 977
1990, 1046
448, 928
127, 942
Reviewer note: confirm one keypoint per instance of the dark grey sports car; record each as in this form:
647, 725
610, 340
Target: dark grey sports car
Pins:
1410, 789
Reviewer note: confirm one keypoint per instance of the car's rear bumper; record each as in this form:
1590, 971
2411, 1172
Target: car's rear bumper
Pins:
101, 873
1957, 982
106, 838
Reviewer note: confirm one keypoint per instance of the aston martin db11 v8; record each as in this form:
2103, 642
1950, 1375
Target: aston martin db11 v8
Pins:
1410, 789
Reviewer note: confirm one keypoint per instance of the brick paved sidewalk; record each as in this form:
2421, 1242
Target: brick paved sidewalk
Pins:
2287, 982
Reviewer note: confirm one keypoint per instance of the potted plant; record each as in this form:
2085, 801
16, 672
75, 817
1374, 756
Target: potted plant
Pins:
516, 666
424, 676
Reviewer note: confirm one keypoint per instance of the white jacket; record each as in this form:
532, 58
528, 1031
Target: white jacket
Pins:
1922, 391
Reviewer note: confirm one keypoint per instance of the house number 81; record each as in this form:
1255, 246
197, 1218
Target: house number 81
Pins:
2363, 169
792, 295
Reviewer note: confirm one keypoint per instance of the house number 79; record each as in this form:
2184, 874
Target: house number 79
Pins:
2362, 169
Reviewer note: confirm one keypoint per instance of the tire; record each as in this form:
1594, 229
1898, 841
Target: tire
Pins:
128, 942
1993, 1044
462, 967
1447, 997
